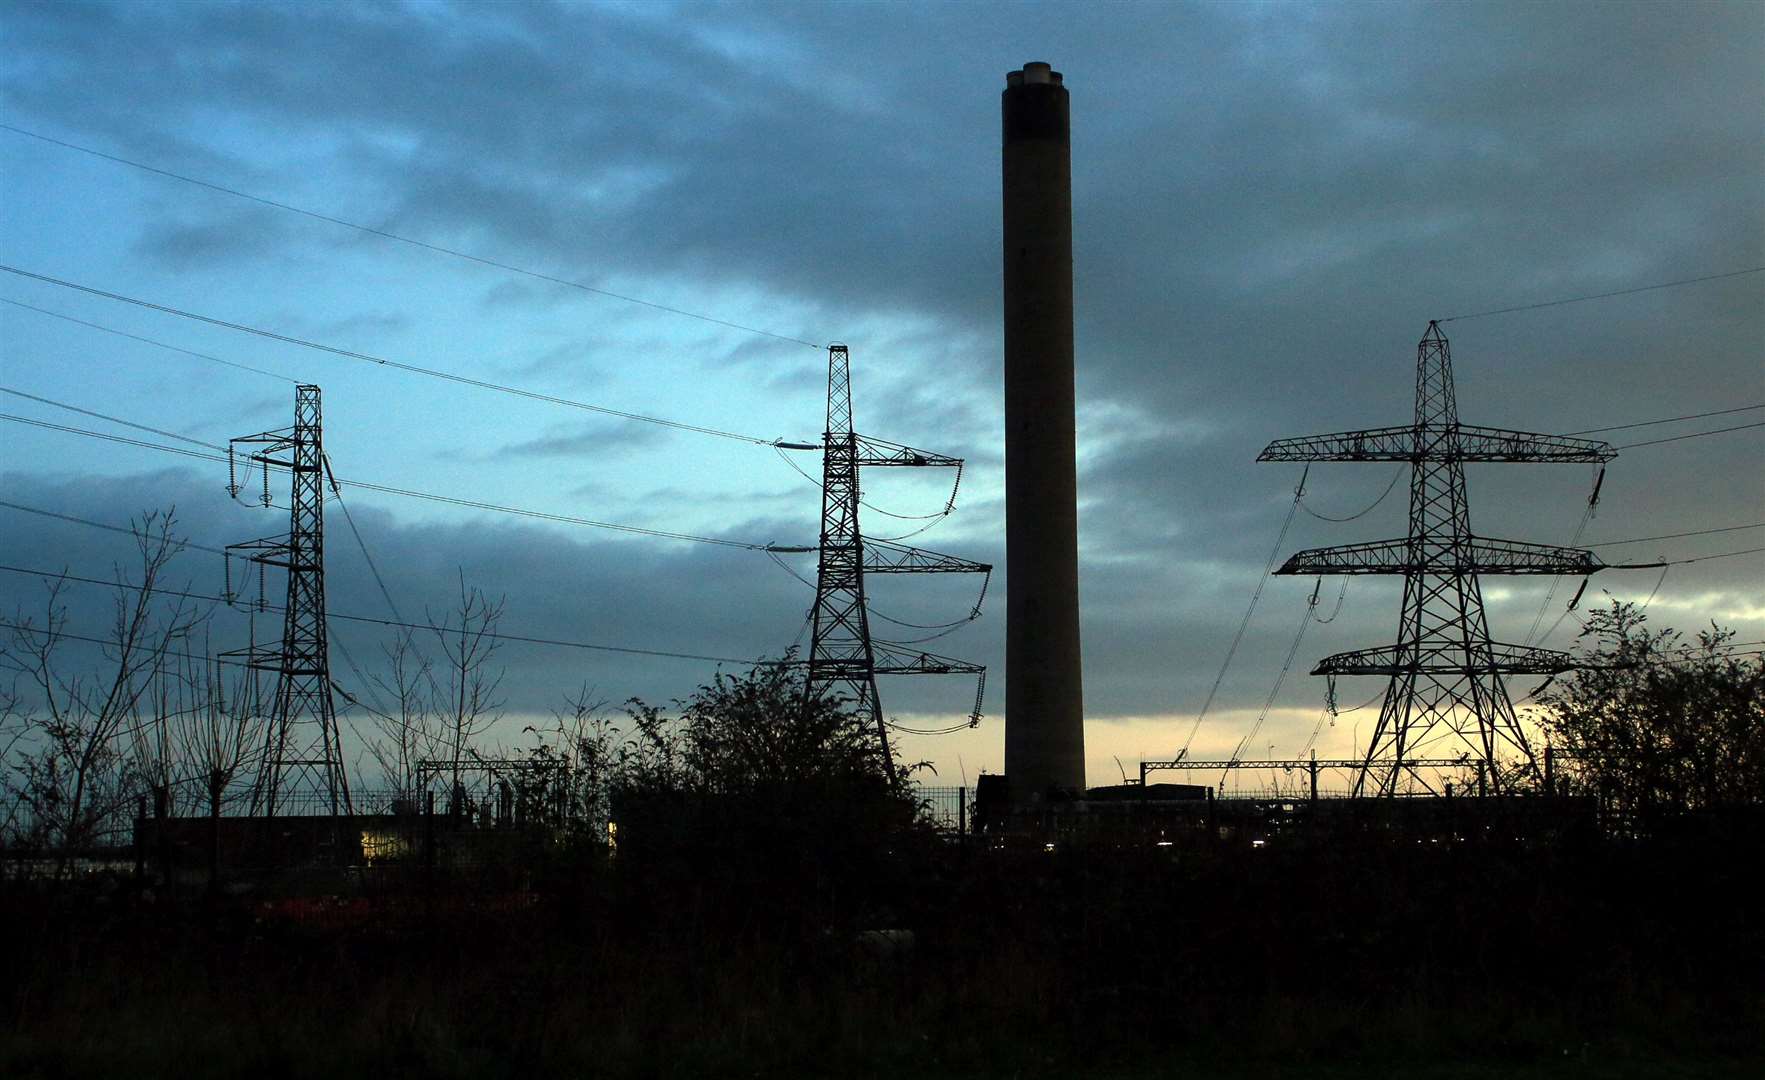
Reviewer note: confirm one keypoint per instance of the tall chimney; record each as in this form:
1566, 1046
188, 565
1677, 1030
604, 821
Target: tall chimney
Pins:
1044, 692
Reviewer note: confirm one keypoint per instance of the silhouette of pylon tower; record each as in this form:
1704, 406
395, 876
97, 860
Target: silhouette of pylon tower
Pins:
843, 657
1448, 687
302, 760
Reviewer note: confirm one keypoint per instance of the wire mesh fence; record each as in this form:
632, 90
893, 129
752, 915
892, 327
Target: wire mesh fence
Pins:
947, 809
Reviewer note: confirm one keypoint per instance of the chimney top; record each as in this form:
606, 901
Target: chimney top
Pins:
1033, 73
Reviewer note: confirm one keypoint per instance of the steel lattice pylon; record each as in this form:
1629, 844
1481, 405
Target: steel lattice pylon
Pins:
302, 755
1447, 688
843, 658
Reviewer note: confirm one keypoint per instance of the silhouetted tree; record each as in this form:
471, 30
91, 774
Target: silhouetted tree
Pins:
1658, 724
759, 804
74, 775
470, 690
219, 739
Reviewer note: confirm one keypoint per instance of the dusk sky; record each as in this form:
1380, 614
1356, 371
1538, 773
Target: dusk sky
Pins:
1271, 201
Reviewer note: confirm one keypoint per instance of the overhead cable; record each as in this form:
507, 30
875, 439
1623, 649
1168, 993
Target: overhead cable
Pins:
1692, 435
1666, 420
436, 373
1395, 477
522, 638
1244, 623
100, 525
148, 340
474, 504
1678, 535
385, 234
1604, 295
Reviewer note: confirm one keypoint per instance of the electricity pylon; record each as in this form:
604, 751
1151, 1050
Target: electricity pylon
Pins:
302, 755
1446, 674
842, 655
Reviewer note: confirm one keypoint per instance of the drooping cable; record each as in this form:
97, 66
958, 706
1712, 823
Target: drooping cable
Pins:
1305, 621
932, 518
1244, 623
1395, 477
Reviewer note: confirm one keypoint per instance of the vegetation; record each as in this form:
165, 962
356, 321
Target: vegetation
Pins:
68, 769
1655, 724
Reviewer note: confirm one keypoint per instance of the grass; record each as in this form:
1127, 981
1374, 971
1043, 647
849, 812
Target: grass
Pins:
1606, 963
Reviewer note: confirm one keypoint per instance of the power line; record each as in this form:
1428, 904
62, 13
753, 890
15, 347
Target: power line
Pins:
435, 373
112, 419
474, 504
1604, 295
469, 257
98, 525
1250, 610
349, 518
1678, 535
1692, 435
1707, 558
1667, 420
147, 340
1395, 477
525, 639
124, 439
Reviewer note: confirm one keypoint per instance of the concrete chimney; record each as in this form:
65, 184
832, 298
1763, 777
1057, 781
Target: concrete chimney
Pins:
1044, 691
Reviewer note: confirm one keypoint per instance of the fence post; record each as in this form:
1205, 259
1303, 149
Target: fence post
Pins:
140, 838
1313, 769
162, 843
429, 832
1550, 771
961, 812
214, 838
1482, 779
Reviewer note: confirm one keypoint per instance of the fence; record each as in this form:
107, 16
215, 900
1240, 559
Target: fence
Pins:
949, 809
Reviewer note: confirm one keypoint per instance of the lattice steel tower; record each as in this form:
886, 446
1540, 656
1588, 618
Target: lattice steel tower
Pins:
1446, 674
302, 756
843, 657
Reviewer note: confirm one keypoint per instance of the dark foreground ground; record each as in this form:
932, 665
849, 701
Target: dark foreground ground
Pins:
1341, 961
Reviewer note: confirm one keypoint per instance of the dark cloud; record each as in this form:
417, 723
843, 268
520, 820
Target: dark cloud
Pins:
576, 440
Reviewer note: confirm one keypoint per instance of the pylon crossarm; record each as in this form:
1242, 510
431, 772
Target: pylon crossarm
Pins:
1373, 444
261, 657
892, 659
1206, 765
883, 557
1500, 444
1472, 556
278, 437
874, 451
267, 544
1447, 658
1462, 442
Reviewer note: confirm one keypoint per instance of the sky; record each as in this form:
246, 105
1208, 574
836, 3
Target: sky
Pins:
1270, 203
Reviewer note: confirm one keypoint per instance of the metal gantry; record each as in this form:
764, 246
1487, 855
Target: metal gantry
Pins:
843, 657
1446, 674
302, 757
